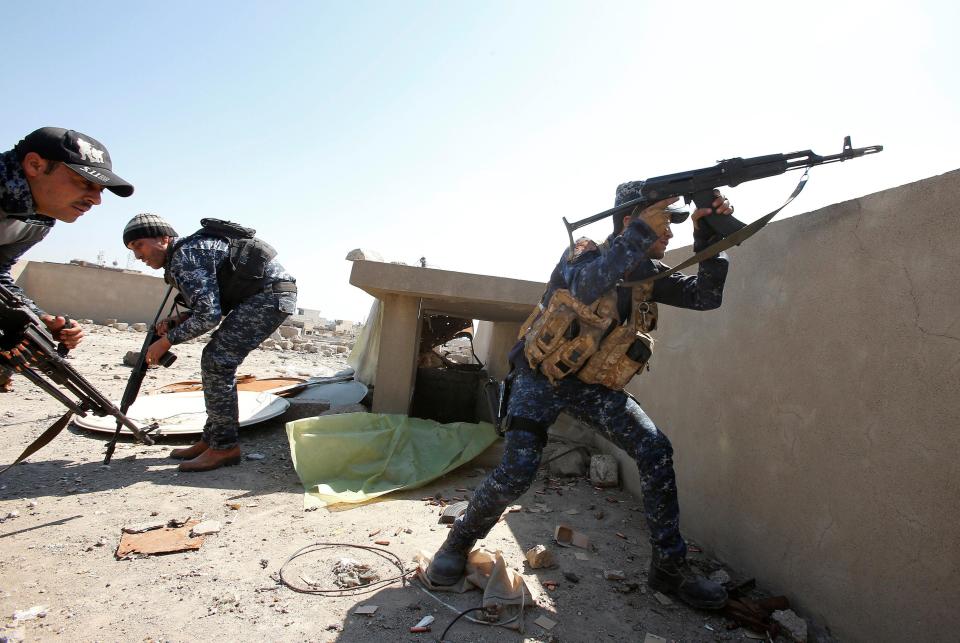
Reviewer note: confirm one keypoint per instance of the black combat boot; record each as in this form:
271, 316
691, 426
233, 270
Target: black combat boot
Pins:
671, 576
451, 558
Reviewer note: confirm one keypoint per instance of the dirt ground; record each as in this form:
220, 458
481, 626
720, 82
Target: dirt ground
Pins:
62, 514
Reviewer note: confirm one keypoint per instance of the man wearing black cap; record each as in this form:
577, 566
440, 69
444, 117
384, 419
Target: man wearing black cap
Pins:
577, 350
53, 174
249, 304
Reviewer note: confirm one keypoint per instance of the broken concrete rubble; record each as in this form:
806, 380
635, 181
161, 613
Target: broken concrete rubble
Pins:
604, 471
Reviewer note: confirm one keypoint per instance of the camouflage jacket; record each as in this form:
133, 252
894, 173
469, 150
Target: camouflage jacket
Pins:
193, 269
592, 272
20, 226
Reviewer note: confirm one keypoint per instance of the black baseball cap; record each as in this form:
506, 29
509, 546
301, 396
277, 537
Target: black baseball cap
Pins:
83, 154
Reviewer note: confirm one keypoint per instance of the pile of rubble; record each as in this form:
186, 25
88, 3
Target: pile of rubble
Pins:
291, 336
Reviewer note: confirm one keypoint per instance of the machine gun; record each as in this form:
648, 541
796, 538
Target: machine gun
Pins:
697, 185
29, 349
135, 381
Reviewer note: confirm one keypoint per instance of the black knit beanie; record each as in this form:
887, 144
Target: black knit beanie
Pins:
145, 226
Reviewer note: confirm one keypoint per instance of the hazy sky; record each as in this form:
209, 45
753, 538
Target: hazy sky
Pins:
463, 132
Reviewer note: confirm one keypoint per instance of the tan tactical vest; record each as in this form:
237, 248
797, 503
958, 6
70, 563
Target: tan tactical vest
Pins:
568, 336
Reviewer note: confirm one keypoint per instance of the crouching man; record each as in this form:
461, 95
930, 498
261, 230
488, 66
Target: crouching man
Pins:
584, 342
225, 276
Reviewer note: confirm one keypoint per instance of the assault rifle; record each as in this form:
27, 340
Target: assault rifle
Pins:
31, 351
135, 381
697, 185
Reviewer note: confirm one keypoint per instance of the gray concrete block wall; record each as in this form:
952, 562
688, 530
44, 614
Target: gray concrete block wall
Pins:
86, 292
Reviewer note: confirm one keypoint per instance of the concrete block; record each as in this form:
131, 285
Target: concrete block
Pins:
288, 332
120, 325
140, 327
604, 471
569, 465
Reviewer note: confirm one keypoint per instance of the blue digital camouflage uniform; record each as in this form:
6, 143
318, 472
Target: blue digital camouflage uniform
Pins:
20, 227
615, 413
193, 269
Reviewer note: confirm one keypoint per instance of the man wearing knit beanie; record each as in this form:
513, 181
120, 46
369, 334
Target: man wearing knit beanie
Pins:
231, 282
53, 174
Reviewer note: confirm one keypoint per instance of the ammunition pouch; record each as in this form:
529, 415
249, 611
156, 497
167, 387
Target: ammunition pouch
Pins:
562, 338
570, 337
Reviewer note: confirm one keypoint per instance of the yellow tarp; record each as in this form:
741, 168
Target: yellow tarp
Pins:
354, 457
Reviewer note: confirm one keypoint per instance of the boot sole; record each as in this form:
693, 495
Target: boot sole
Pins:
226, 463
664, 588
442, 580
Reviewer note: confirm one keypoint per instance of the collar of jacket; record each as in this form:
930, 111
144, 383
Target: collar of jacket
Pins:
16, 200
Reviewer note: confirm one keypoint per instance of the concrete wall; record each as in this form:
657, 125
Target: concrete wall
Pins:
85, 292
816, 416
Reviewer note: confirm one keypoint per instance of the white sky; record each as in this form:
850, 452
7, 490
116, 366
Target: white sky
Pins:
464, 133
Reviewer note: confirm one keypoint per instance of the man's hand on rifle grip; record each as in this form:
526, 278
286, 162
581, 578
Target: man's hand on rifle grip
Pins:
720, 206
157, 350
69, 335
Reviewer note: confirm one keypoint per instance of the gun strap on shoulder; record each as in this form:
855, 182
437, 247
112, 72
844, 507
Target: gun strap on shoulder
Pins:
734, 239
43, 440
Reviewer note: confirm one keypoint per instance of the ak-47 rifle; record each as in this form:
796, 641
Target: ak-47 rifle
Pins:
135, 381
697, 185
29, 349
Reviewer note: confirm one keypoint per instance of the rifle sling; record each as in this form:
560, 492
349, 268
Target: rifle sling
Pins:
43, 440
734, 239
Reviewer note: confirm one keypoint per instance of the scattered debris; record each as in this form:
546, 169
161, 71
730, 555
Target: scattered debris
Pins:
539, 557
367, 610
139, 528
545, 623
10, 515
423, 625
353, 573
565, 536
582, 555
168, 540
653, 638
613, 574
37, 611
205, 528
570, 576
663, 599
382, 541
603, 471
256, 456
452, 512
793, 626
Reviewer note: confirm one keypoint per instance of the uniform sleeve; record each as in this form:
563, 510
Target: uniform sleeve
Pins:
195, 272
701, 292
9, 254
591, 276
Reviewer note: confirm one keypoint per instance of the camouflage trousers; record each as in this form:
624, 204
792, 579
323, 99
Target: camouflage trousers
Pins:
617, 416
242, 330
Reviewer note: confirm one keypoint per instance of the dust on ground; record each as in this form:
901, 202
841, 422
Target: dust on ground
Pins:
64, 513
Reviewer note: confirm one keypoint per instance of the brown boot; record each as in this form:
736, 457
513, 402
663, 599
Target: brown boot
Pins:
190, 452
212, 459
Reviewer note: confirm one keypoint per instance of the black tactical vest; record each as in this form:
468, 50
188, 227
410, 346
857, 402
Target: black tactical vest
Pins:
243, 272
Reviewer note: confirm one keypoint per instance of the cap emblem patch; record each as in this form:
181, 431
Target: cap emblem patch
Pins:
88, 152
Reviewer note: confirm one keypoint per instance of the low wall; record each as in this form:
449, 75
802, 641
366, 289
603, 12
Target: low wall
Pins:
815, 416
87, 292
